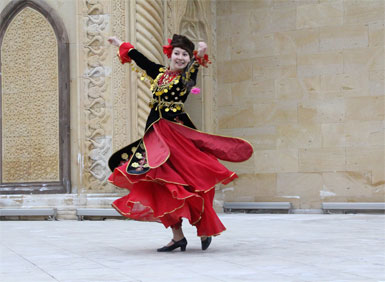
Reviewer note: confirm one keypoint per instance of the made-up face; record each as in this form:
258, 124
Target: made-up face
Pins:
179, 59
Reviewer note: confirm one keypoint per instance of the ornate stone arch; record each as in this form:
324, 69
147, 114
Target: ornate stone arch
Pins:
192, 25
47, 89
193, 18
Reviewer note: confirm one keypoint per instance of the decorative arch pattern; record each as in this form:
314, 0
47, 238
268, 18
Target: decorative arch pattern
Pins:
34, 100
193, 27
95, 94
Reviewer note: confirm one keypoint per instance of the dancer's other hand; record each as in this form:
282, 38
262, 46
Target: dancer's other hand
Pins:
202, 48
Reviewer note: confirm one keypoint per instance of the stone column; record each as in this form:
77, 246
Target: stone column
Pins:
94, 95
146, 28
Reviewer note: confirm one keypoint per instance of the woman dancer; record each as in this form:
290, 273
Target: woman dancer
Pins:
172, 170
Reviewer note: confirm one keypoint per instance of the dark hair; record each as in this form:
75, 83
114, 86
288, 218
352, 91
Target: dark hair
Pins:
183, 42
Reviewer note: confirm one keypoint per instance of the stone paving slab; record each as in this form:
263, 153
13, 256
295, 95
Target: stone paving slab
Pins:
256, 247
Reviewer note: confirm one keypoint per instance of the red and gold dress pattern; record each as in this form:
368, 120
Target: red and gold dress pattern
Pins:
172, 171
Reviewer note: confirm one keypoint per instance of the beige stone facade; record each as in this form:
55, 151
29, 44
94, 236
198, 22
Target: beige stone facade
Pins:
302, 80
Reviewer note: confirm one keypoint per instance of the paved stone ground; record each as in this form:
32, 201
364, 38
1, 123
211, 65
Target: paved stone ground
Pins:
256, 247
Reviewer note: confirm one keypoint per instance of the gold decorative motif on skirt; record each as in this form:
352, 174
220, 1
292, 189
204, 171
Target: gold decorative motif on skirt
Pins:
173, 106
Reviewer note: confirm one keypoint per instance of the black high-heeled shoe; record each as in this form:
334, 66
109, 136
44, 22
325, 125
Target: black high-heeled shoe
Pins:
206, 243
177, 244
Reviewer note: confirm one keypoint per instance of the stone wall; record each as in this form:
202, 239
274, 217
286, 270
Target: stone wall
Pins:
108, 101
43, 121
303, 80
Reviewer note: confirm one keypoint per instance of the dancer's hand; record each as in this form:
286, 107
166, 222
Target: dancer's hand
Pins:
202, 48
114, 41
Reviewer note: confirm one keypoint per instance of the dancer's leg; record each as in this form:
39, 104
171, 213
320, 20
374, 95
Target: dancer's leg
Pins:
177, 233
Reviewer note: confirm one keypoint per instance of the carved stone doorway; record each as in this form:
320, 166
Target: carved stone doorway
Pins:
34, 100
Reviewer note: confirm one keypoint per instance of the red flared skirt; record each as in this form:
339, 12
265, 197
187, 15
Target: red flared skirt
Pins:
180, 183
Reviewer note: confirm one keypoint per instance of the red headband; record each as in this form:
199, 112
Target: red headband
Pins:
167, 49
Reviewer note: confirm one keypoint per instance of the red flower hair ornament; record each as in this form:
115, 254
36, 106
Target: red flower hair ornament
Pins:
167, 49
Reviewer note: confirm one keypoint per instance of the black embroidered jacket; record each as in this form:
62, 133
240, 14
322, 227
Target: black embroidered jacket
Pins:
169, 95
168, 98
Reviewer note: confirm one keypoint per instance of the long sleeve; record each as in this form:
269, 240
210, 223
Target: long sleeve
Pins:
151, 68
